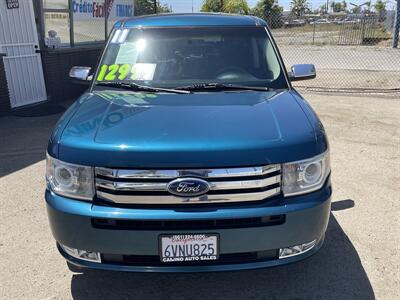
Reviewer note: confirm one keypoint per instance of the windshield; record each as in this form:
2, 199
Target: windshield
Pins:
176, 57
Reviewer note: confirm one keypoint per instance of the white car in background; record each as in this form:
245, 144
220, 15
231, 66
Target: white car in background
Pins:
320, 21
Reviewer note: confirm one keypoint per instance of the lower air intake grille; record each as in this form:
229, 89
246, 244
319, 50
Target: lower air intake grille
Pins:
207, 224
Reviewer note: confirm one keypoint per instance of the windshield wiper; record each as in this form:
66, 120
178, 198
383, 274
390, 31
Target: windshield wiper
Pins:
138, 87
222, 86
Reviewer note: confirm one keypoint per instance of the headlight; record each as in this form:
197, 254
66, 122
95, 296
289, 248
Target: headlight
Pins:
69, 180
305, 176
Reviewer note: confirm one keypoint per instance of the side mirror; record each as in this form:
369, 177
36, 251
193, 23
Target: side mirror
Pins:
80, 73
302, 72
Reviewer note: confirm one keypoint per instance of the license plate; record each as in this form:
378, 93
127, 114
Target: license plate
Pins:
188, 247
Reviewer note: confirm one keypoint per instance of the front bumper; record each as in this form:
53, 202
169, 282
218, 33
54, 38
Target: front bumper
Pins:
306, 219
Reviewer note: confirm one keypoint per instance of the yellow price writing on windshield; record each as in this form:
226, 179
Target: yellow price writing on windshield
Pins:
113, 72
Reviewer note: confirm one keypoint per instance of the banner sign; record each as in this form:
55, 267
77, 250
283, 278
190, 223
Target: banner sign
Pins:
114, 9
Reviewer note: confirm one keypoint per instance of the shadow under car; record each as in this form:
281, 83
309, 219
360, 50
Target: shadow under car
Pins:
335, 272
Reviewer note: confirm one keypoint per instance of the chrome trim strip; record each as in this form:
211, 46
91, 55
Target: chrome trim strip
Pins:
162, 186
244, 184
203, 173
171, 199
132, 186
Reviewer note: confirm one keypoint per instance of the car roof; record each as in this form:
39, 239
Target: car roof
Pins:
192, 19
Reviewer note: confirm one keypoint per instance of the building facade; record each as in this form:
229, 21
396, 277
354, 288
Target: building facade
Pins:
40, 40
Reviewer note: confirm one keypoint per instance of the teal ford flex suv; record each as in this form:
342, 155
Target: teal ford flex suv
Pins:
190, 152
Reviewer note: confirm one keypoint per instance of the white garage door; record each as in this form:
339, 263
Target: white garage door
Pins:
19, 41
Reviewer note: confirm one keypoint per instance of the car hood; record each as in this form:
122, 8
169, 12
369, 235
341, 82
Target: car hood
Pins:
213, 129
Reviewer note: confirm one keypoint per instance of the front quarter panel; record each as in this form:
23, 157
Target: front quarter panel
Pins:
320, 135
54, 141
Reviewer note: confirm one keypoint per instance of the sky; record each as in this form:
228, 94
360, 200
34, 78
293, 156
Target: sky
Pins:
186, 5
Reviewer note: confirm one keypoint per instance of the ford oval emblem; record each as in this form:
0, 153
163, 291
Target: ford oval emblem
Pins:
188, 187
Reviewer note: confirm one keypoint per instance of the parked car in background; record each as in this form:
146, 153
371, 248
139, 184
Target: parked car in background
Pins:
352, 21
190, 152
294, 23
337, 21
321, 21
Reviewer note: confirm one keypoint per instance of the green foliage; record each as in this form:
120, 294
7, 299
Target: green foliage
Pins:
226, 6
213, 6
344, 5
162, 9
338, 6
236, 7
299, 7
270, 11
356, 10
146, 7
380, 6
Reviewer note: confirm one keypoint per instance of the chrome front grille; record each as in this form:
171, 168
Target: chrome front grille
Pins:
150, 186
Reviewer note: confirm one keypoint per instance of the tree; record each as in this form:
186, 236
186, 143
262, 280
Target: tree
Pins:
344, 5
338, 6
333, 3
356, 9
367, 8
299, 7
270, 11
226, 6
146, 7
213, 6
380, 8
236, 7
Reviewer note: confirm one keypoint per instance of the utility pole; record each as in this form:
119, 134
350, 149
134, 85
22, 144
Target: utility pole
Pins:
396, 26
155, 6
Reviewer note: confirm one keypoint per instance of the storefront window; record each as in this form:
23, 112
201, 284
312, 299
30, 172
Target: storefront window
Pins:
55, 4
70, 23
57, 29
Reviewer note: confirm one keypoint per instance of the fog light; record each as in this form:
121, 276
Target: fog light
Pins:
296, 250
82, 254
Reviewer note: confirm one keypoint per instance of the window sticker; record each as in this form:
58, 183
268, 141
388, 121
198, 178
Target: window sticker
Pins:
127, 54
119, 72
123, 36
119, 36
143, 71
114, 72
115, 36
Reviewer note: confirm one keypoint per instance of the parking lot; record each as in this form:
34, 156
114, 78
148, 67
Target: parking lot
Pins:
360, 258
